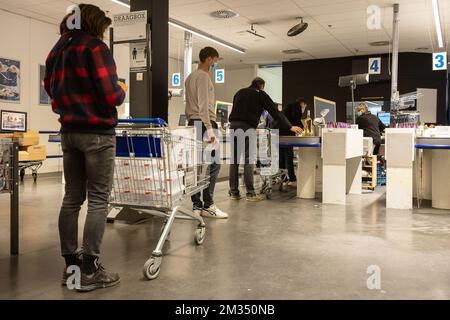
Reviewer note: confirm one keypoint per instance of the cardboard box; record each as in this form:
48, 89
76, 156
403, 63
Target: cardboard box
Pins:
24, 156
35, 153
29, 138
6, 135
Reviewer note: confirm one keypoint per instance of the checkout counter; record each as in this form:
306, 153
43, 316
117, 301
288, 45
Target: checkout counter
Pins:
336, 158
418, 166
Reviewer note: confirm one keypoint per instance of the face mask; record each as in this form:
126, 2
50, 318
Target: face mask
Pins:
214, 67
359, 113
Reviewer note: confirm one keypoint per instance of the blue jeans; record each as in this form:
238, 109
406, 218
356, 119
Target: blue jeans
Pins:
213, 170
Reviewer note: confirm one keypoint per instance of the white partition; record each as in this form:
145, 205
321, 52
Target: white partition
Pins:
342, 150
400, 151
308, 159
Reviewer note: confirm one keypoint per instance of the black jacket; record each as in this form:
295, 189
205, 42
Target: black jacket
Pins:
372, 126
248, 105
294, 114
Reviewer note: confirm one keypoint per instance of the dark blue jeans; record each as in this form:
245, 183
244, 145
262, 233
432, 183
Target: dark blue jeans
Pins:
287, 161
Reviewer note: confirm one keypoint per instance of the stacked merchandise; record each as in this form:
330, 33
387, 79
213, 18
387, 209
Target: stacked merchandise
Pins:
381, 172
155, 173
30, 149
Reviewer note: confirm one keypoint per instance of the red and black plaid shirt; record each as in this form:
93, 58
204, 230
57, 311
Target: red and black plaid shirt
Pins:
81, 80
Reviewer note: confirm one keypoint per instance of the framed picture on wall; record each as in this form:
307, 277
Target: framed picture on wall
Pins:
44, 99
13, 121
9, 80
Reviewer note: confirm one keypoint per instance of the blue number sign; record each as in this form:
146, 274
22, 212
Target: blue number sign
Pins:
440, 61
176, 79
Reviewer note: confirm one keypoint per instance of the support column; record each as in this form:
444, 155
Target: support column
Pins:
149, 97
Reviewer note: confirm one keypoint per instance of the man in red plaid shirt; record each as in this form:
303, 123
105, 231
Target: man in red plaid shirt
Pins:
82, 82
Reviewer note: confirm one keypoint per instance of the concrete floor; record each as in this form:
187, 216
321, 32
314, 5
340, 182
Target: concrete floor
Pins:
284, 248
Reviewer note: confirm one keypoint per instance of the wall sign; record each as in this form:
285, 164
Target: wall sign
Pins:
440, 61
220, 75
375, 65
176, 79
130, 25
9, 80
138, 57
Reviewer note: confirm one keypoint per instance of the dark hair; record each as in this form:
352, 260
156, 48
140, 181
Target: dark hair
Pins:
300, 100
257, 82
93, 21
207, 52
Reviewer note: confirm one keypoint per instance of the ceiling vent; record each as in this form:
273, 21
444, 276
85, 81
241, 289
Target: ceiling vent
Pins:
422, 49
291, 51
223, 14
379, 43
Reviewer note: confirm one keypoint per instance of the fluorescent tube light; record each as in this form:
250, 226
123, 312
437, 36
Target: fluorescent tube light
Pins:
121, 3
437, 22
206, 36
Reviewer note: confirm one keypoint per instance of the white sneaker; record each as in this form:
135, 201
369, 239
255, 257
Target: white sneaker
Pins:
292, 183
214, 212
197, 212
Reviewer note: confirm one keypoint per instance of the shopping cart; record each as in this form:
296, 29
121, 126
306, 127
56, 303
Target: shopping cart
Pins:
156, 169
267, 165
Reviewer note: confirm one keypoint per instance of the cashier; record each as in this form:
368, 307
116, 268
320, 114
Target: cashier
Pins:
294, 112
371, 125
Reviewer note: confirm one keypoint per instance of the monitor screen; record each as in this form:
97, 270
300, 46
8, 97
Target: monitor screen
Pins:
223, 110
385, 117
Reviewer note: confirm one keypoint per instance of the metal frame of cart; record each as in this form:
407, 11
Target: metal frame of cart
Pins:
155, 170
9, 183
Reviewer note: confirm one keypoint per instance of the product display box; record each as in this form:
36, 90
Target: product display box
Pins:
6, 135
33, 153
29, 138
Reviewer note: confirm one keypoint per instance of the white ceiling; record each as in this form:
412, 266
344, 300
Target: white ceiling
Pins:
336, 27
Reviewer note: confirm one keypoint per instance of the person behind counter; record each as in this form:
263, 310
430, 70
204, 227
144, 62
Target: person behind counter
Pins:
294, 112
248, 105
371, 125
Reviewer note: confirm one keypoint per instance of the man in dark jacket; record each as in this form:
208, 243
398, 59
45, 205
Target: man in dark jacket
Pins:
371, 125
81, 80
248, 105
294, 112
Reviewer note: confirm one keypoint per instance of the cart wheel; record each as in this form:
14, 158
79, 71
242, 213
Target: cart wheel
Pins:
269, 194
200, 235
22, 174
150, 270
34, 176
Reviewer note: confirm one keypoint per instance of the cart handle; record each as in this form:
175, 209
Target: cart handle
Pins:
157, 121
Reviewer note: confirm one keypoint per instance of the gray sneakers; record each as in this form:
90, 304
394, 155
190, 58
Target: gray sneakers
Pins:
99, 280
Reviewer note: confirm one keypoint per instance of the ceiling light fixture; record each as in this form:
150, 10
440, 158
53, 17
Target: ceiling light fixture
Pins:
437, 22
204, 35
122, 3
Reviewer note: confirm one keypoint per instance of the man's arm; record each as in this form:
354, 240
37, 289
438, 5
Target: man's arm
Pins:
203, 100
104, 74
381, 126
269, 105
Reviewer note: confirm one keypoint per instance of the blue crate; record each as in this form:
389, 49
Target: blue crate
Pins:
142, 146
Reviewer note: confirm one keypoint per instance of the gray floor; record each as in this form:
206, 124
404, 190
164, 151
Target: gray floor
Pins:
283, 248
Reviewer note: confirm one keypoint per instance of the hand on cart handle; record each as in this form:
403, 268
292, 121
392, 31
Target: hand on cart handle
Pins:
211, 136
296, 129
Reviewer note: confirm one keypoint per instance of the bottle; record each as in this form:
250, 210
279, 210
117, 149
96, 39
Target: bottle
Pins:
308, 124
